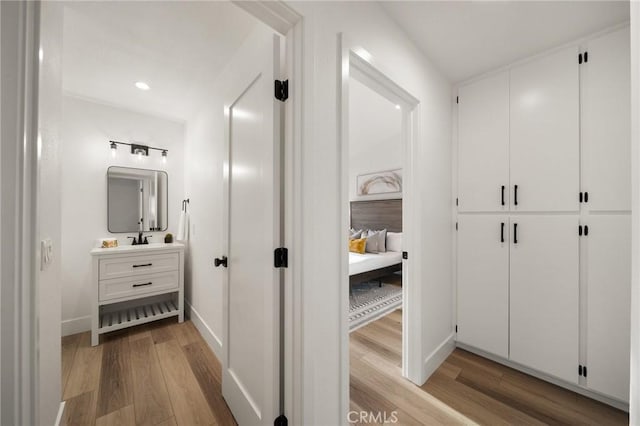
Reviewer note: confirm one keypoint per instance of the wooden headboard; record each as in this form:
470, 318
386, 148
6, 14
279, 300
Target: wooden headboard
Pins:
377, 214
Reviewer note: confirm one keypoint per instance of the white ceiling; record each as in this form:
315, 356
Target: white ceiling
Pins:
468, 38
176, 47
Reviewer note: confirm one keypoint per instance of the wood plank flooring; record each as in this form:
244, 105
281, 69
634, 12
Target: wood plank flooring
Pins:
161, 373
466, 389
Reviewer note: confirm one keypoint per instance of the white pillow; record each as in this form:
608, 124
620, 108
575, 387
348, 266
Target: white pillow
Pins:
376, 241
354, 234
394, 241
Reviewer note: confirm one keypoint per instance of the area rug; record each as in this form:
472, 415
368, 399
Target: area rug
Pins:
369, 302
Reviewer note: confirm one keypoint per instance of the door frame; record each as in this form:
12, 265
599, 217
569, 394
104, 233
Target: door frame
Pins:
356, 62
18, 349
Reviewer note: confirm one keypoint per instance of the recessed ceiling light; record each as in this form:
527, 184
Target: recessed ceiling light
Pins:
397, 106
142, 85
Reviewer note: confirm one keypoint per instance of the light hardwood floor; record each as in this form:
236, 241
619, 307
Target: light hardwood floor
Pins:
466, 389
161, 373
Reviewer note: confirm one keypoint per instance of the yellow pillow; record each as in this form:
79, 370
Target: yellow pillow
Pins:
357, 246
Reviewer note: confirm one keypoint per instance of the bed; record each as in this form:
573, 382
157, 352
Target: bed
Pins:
375, 214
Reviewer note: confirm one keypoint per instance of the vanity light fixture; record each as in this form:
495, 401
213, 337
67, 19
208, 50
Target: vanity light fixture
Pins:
138, 149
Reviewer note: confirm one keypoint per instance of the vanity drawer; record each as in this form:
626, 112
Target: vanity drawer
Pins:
118, 288
121, 267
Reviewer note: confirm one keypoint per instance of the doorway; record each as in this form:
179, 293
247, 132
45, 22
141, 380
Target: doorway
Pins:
378, 198
164, 130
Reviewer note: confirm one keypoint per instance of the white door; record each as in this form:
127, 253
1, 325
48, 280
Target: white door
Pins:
544, 294
483, 145
251, 361
606, 122
545, 133
608, 304
483, 282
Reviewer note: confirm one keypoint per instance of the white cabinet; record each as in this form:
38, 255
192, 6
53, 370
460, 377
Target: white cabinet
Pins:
544, 124
606, 122
483, 276
544, 294
608, 304
134, 285
550, 130
483, 145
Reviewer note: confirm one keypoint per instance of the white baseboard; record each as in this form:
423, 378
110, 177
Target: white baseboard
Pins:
547, 378
437, 357
76, 325
209, 336
60, 413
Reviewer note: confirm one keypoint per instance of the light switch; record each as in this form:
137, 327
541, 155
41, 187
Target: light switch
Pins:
46, 253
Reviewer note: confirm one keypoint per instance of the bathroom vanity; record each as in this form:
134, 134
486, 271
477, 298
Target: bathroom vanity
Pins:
135, 285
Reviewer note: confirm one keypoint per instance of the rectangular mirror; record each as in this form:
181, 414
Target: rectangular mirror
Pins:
137, 199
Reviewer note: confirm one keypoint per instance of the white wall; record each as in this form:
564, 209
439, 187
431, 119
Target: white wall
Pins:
49, 284
85, 157
634, 398
204, 152
396, 56
375, 131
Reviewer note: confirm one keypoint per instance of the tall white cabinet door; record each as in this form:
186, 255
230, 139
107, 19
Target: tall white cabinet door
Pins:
606, 128
545, 133
483, 282
483, 145
544, 294
608, 304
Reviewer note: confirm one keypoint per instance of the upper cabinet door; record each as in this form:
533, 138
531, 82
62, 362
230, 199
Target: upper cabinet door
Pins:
483, 145
606, 127
545, 149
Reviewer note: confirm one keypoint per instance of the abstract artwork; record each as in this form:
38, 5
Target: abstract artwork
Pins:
380, 182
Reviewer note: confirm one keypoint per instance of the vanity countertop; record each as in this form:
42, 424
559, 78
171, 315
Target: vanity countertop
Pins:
138, 248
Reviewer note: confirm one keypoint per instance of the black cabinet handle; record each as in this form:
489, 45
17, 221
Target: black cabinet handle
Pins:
220, 261
515, 195
502, 231
515, 233
503, 195
140, 266
586, 197
141, 285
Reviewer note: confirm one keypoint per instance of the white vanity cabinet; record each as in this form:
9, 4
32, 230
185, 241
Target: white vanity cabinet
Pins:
134, 285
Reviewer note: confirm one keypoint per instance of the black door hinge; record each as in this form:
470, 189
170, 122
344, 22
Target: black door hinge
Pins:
282, 90
281, 420
281, 257
405, 255
457, 99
